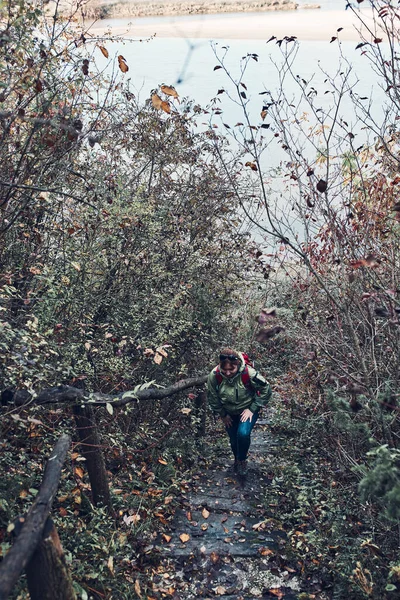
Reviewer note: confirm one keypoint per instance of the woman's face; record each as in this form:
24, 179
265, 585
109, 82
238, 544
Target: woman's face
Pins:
229, 369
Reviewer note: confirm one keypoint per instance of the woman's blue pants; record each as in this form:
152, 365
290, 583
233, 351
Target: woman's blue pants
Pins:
239, 435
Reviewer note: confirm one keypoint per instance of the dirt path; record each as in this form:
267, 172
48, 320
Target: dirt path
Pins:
225, 542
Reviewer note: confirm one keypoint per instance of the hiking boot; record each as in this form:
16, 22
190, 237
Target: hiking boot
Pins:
242, 468
235, 466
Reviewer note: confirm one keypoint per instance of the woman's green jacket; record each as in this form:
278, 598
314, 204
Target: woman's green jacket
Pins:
232, 397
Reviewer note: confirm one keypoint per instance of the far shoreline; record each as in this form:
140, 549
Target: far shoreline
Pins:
305, 25
121, 9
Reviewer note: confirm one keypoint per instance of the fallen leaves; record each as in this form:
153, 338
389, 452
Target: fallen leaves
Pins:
184, 537
110, 564
131, 519
264, 551
79, 472
220, 590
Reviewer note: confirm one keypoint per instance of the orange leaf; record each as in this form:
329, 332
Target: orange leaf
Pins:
104, 51
205, 513
162, 518
137, 588
265, 551
214, 557
110, 564
162, 461
276, 592
122, 64
169, 91
156, 101
158, 358
161, 351
62, 511
165, 106
79, 472
252, 165
184, 537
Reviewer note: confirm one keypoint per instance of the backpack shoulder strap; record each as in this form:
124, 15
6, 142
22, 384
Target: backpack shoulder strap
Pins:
218, 377
246, 377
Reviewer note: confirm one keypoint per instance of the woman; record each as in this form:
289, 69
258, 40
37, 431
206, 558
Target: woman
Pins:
237, 392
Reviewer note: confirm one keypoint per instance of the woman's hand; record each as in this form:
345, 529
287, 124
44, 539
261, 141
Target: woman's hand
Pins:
227, 421
246, 415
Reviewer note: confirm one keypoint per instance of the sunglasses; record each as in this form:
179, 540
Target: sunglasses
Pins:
230, 357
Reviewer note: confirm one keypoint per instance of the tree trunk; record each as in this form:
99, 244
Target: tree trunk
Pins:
30, 535
91, 450
47, 572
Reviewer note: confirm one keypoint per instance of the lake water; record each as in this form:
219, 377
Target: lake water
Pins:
188, 64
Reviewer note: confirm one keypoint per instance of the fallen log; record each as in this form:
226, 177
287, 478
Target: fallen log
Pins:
66, 393
31, 532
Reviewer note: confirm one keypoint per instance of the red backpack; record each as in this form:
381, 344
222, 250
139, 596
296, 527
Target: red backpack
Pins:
245, 373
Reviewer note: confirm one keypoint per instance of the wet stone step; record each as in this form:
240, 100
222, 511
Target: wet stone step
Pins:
222, 504
222, 534
196, 546
224, 541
